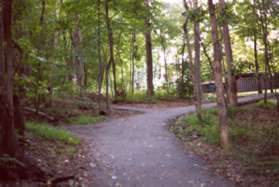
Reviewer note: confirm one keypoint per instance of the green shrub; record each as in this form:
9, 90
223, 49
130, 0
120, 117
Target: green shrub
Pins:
211, 98
268, 105
85, 120
139, 97
207, 128
51, 133
184, 88
232, 111
238, 133
211, 133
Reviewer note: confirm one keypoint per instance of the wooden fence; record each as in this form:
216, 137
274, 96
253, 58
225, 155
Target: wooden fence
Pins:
247, 82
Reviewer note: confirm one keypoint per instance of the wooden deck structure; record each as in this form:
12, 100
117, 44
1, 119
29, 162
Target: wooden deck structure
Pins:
247, 82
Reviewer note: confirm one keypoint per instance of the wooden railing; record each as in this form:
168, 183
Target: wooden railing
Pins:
247, 82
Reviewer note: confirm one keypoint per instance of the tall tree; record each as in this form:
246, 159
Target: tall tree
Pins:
111, 52
148, 46
78, 60
188, 42
263, 8
220, 92
8, 142
133, 58
232, 92
41, 47
256, 59
100, 66
164, 47
197, 66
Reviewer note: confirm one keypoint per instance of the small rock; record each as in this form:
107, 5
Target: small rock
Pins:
113, 177
92, 165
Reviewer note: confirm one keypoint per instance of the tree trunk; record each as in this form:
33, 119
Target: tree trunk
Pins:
257, 67
40, 47
101, 66
183, 61
166, 76
221, 103
133, 58
111, 45
111, 52
123, 87
18, 116
188, 43
232, 90
197, 67
148, 47
78, 58
204, 48
268, 73
8, 141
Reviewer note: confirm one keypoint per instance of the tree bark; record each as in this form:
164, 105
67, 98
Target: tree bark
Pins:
133, 58
40, 47
232, 90
8, 141
100, 66
257, 67
111, 46
183, 61
204, 48
78, 58
148, 47
166, 76
221, 102
268, 73
111, 52
188, 44
197, 67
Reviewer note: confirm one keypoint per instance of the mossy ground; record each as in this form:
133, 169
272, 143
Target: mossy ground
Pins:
254, 135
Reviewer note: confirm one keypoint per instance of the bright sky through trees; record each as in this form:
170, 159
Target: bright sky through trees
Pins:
172, 1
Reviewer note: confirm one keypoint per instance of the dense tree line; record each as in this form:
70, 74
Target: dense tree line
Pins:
51, 48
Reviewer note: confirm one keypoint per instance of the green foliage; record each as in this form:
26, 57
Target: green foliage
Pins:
268, 105
207, 128
238, 133
47, 46
141, 98
232, 111
85, 120
185, 88
51, 133
211, 98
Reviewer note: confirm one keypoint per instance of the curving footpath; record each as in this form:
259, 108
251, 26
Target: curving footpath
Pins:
140, 151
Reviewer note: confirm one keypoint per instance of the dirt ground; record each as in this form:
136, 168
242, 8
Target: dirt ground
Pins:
254, 156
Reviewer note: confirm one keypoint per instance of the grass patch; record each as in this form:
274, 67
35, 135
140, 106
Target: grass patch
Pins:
268, 105
51, 133
139, 97
211, 98
85, 120
254, 136
207, 128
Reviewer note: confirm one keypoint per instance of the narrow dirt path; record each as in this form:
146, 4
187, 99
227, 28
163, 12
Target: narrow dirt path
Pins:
140, 151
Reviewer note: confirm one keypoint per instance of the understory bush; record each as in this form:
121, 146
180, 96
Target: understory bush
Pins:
52, 133
85, 120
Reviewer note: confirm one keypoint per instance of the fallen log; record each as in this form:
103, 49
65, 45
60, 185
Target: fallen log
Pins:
42, 114
55, 181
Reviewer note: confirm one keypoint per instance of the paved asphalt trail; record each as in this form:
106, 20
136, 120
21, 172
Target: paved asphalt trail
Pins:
140, 151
